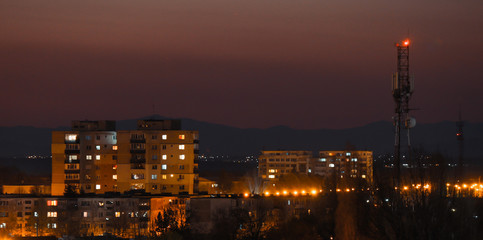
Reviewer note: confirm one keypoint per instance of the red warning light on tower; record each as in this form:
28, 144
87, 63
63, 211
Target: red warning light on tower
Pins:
406, 42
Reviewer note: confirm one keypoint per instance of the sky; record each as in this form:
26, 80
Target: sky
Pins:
305, 64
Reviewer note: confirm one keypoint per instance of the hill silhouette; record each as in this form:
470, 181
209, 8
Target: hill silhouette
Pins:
217, 139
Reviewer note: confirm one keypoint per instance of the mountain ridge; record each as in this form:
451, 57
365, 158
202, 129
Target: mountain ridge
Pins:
216, 139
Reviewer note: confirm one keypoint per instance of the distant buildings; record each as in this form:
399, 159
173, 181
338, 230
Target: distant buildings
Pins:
339, 164
344, 164
93, 157
273, 164
123, 216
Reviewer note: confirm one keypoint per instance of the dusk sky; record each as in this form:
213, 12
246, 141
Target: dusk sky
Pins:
252, 63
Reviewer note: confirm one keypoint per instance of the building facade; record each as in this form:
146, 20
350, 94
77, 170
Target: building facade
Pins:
93, 157
273, 164
123, 216
344, 164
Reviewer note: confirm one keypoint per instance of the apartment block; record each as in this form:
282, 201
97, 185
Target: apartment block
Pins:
273, 164
344, 164
123, 216
157, 158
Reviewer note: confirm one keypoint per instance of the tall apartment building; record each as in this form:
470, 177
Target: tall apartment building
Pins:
272, 164
93, 157
344, 164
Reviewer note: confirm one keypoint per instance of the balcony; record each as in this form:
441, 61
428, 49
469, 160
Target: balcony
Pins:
69, 171
76, 141
71, 161
138, 160
72, 181
138, 166
138, 140
138, 151
72, 151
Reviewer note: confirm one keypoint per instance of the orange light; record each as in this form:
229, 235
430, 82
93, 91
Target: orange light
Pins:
278, 193
314, 192
295, 193
406, 42
303, 192
405, 188
246, 194
267, 193
347, 190
285, 192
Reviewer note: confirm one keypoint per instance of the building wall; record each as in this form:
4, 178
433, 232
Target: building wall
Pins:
273, 164
344, 164
94, 160
158, 161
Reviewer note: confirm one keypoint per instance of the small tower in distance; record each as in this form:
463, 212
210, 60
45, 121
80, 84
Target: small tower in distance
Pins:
460, 138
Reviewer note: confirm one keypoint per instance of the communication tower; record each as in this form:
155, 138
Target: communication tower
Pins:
402, 89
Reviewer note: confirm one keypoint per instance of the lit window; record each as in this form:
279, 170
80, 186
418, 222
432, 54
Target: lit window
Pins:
88, 157
85, 214
181, 147
172, 175
347, 154
363, 176
114, 177
137, 176
310, 170
354, 159
114, 167
323, 160
114, 148
181, 156
164, 176
98, 186
71, 137
117, 214
164, 166
272, 170
154, 177
181, 136
98, 157
51, 214
164, 137
52, 203
72, 157
271, 176
98, 147
331, 165
36, 214
165, 157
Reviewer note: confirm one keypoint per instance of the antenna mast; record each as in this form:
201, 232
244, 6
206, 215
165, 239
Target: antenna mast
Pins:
402, 89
